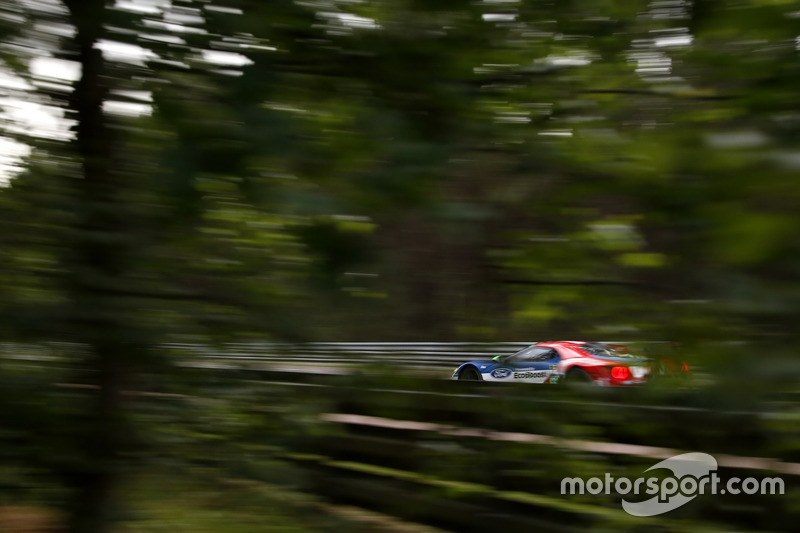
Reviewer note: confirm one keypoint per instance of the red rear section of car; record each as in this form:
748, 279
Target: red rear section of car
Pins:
602, 371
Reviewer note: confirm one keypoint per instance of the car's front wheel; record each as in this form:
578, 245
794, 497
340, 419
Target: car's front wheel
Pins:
469, 374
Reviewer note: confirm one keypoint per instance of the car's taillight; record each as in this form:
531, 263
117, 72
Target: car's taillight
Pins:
620, 373
685, 368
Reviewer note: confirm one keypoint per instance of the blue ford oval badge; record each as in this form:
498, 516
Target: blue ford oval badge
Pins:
500, 373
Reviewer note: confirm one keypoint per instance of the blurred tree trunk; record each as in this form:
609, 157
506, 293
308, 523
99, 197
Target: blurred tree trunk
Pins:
95, 265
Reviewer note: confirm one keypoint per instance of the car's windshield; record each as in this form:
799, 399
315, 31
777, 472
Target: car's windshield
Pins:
507, 356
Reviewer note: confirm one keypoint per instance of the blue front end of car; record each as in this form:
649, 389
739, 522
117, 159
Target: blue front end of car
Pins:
482, 370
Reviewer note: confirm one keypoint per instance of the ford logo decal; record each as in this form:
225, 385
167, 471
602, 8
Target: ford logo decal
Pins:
500, 373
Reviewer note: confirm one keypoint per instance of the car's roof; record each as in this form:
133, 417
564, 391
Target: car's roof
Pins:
572, 348
560, 343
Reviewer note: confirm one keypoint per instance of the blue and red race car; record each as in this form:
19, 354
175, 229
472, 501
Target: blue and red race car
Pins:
568, 361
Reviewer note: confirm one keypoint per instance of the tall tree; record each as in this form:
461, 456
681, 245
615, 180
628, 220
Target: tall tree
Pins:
97, 265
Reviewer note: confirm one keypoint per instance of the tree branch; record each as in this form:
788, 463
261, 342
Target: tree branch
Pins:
573, 282
643, 92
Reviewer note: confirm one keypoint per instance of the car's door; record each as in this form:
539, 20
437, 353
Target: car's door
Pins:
534, 365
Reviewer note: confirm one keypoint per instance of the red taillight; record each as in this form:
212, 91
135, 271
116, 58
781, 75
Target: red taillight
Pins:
620, 373
685, 368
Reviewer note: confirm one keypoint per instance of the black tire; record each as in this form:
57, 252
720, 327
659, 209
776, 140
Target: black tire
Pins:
469, 373
578, 376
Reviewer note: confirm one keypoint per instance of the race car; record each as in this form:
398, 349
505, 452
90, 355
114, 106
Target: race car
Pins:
565, 361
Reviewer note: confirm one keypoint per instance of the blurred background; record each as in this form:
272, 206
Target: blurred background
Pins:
243, 245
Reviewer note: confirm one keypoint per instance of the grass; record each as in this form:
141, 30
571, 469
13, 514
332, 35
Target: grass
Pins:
202, 502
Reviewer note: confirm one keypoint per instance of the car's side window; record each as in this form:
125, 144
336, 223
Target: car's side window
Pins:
534, 353
546, 355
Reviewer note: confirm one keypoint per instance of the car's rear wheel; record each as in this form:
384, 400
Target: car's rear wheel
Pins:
469, 374
577, 376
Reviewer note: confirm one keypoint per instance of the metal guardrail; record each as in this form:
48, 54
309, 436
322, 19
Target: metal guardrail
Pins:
437, 354
423, 353
337, 358
313, 357
433, 355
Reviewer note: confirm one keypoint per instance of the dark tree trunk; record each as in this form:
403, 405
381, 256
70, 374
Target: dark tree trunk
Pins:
96, 265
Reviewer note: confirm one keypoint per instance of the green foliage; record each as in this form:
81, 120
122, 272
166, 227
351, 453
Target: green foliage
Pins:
393, 169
